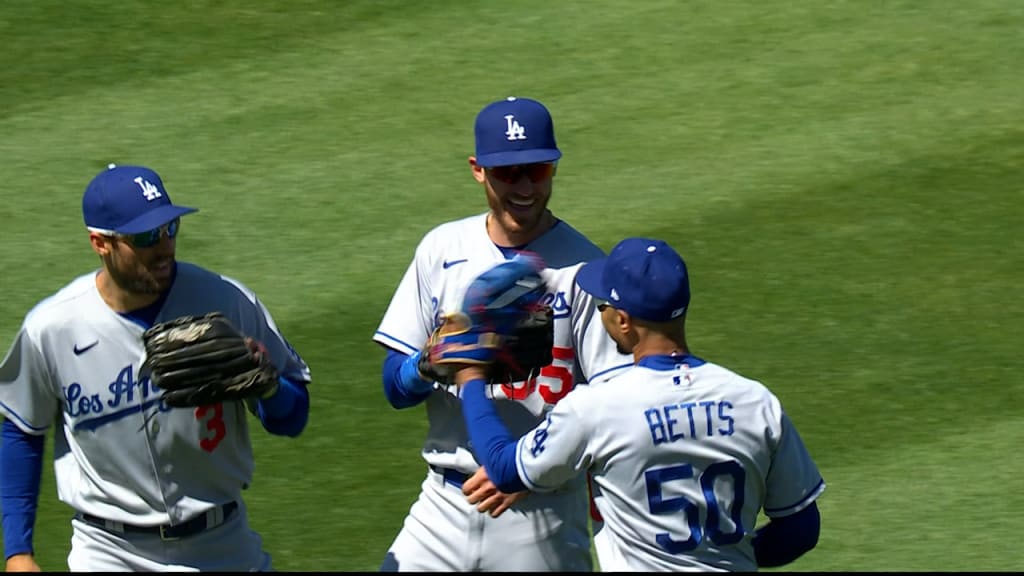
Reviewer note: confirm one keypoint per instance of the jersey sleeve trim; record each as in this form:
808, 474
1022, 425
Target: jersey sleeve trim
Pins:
533, 486
22, 423
798, 506
392, 342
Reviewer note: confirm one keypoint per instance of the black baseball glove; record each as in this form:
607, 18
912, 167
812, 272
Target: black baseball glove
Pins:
202, 360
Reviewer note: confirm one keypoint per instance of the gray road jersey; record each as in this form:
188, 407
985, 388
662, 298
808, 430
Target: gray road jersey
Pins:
119, 452
683, 459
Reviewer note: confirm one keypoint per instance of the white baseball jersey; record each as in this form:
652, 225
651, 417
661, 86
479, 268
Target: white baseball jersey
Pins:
447, 259
122, 455
684, 454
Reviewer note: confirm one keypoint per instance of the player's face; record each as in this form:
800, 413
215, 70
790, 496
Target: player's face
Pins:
617, 325
518, 198
142, 263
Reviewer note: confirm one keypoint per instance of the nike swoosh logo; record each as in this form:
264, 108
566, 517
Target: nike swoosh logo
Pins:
79, 351
449, 263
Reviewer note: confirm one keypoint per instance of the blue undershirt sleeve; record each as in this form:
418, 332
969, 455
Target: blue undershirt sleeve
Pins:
785, 539
287, 411
21, 468
403, 386
493, 445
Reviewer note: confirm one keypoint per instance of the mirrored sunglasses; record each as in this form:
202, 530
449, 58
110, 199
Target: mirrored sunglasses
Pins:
535, 172
148, 238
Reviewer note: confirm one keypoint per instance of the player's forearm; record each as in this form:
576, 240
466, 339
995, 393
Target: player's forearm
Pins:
403, 386
287, 411
785, 539
494, 445
21, 467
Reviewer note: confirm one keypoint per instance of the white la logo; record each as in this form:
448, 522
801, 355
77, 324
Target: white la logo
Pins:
515, 131
148, 189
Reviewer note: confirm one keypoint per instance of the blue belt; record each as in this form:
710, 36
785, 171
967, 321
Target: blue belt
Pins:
453, 477
166, 531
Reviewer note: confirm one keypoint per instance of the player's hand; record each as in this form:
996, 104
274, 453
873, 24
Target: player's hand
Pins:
22, 563
481, 491
467, 372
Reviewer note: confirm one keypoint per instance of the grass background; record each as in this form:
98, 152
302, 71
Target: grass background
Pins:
843, 177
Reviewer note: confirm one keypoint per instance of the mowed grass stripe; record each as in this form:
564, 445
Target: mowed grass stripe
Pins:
280, 155
941, 506
862, 305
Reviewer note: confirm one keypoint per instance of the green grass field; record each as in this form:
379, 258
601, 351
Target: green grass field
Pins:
844, 179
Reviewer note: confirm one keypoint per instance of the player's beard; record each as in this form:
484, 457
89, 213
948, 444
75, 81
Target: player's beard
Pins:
526, 224
136, 277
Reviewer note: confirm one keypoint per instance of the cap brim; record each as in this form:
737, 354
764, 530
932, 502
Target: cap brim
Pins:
589, 277
514, 157
154, 219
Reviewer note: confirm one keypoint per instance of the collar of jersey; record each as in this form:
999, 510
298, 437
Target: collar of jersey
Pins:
669, 361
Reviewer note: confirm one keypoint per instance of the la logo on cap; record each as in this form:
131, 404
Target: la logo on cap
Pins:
515, 131
148, 189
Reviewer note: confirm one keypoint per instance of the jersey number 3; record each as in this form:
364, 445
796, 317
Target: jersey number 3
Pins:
558, 371
658, 504
216, 430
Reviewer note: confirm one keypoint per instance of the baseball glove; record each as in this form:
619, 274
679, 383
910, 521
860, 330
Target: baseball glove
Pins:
501, 325
524, 353
202, 360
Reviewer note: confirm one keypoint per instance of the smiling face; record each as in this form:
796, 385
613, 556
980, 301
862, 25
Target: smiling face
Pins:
518, 200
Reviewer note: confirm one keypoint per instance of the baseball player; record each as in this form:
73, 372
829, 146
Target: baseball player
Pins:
153, 488
459, 522
683, 453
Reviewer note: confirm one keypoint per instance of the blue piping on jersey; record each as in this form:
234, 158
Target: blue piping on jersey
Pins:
663, 362
12, 413
396, 340
607, 370
525, 477
509, 252
810, 496
94, 423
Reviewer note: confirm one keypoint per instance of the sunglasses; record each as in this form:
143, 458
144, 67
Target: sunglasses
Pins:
511, 174
148, 238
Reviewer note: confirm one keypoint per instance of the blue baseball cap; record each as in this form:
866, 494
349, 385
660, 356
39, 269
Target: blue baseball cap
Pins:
128, 200
515, 131
641, 276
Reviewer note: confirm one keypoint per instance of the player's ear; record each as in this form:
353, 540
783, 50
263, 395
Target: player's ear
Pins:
478, 171
101, 244
624, 321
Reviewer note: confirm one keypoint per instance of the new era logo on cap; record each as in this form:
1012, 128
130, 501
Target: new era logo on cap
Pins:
128, 200
642, 276
515, 131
